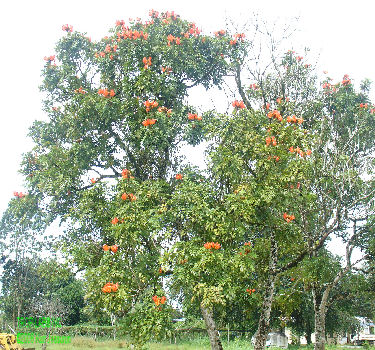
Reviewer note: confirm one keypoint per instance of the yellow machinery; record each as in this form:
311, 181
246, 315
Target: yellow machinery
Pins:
9, 342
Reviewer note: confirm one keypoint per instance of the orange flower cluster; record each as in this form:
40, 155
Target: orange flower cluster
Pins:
299, 58
220, 33
275, 157
346, 81
131, 196
212, 245
280, 99
154, 14
236, 38
19, 194
166, 69
238, 104
288, 218
247, 247
372, 110
125, 173
363, 105
171, 38
67, 28
250, 291
150, 104
110, 287
115, 221
297, 186
307, 65
106, 93
294, 119
270, 140
148, 122
159, 301
254, 86
147, 62
193, 30
178, 176
113, 248
49, 59
165, 110
169, 15
80, 91
192, 116
299, 151
93, 180
120, 23
131, 34
275, 114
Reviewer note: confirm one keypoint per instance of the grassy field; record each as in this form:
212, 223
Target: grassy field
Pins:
81, 343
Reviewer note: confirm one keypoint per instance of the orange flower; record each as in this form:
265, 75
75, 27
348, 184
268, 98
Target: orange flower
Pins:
238, 104
148, 122
105, 247
124, 196
291, 149
191, 116
163, 299
308, 152
268, 141
114, 248
115, 221
67, 28
178, 176
274, 141
114, 287
279, 100
132, 197
93, 180
288, 218
156, 300
125, 173
212, 245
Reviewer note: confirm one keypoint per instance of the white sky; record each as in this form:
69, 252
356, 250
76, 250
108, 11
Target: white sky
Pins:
341, 32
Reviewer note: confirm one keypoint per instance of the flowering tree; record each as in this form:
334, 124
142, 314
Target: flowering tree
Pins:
107, 160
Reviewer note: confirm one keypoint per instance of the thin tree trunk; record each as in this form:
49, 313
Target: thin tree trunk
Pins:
264, 320
211, 328
308, 336
320, 309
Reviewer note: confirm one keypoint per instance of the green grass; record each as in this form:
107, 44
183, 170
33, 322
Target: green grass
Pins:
200, 343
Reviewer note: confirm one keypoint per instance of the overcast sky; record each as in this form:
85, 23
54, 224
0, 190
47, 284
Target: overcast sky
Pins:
340, 32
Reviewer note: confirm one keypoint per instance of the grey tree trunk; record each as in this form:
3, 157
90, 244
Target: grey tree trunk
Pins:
264, 320
320, 309
211, 328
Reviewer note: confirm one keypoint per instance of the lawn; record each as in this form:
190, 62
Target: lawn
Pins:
81, 343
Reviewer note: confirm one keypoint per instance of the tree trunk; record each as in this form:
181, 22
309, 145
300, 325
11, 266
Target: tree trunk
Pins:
211, 328
264, 320
308, 337
320, 308
320, 333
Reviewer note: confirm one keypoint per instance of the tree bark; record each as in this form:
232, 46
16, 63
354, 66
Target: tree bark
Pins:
264, 320
320, 308
308, 336
211, 328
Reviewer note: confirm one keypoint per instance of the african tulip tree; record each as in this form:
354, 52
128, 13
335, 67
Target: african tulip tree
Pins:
339, 177
105, 160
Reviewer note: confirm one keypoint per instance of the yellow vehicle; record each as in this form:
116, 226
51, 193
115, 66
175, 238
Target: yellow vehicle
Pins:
9, 342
